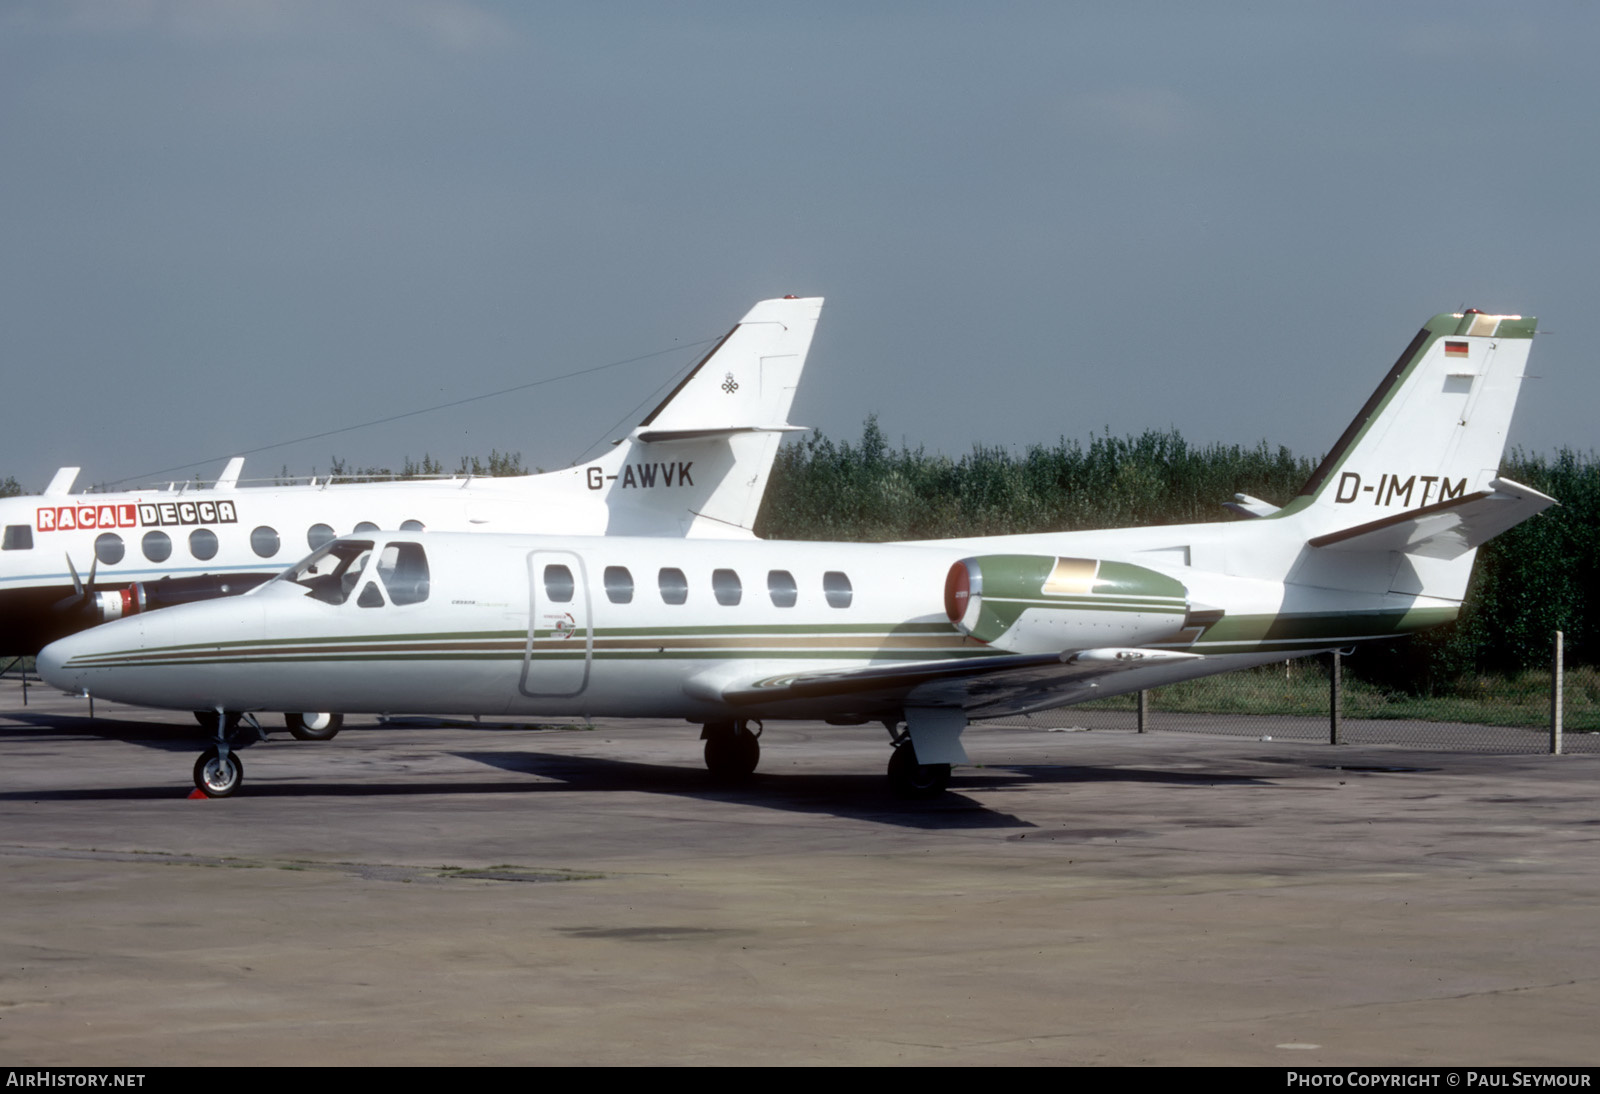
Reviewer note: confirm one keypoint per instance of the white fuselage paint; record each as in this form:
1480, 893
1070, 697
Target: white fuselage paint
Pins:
490, 638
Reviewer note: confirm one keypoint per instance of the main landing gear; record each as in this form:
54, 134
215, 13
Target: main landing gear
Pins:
319, 726
910, 779
732, 751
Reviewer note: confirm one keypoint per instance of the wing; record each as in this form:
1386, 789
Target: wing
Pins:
986, 685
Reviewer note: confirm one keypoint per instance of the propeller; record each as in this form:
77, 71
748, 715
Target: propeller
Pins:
82, 593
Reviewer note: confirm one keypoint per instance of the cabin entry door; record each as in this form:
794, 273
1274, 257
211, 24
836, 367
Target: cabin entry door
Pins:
560, 645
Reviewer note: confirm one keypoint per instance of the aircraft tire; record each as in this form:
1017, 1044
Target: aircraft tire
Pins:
208, 719
732, 752
916, 781
217, 777
317, 726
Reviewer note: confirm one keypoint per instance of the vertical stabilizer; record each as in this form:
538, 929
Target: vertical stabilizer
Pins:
1413, 486
698, 464
1433, 431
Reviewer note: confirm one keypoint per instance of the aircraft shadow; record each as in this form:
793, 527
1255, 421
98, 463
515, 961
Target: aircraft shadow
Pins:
1064, 773
178, 736
864, 796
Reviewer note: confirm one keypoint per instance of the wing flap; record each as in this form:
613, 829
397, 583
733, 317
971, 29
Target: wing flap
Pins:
969, 682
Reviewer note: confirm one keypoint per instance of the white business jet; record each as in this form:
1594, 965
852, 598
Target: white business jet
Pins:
921, 637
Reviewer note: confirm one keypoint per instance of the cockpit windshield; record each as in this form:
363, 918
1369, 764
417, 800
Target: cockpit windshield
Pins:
331, 573
337, 569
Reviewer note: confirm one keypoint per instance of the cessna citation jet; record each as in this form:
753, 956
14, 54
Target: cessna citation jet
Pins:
923, 636
697, 466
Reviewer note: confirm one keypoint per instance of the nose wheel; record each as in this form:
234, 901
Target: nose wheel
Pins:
218, 774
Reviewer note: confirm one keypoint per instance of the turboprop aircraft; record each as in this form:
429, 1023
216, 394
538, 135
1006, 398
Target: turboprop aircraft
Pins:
924, 636
697, 466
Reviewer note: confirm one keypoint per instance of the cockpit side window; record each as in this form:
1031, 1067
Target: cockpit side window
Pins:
404, 570
19, 537
331, 573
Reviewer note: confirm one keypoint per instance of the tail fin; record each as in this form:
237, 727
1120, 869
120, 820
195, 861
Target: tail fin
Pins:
698, 464
1434, 431
1413, 486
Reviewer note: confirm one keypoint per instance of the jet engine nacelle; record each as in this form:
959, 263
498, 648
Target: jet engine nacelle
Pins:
1045, 604
147, 596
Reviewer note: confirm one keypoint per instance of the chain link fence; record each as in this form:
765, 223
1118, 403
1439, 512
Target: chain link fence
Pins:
1295, 700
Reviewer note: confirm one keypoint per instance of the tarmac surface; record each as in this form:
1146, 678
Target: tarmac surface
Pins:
421, 894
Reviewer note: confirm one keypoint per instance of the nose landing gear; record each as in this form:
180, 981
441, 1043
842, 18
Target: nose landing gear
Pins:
219, 772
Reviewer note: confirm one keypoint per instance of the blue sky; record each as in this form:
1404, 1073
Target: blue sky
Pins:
235, 223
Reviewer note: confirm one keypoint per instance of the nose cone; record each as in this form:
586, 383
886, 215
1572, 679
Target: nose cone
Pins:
52, 664
88, 659
155, 660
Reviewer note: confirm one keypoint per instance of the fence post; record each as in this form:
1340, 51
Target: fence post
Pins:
1335, 700
1144, 708
1555, 699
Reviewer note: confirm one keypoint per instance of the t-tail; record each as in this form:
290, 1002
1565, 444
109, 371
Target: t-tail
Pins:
698, 464
1413, 486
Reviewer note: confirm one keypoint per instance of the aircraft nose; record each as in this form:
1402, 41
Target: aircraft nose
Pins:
51, 663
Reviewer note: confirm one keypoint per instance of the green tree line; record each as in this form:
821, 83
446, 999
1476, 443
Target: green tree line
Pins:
1540, 577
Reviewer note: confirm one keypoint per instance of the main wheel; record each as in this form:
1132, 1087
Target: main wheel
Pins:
732, 752
318, 726
910, 779
218, 776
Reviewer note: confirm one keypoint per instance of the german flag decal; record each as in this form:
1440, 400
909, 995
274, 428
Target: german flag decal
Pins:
1455, 349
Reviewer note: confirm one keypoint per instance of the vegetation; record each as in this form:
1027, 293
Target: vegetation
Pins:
871, 492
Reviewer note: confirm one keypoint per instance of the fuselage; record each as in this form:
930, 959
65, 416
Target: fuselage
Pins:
633, 626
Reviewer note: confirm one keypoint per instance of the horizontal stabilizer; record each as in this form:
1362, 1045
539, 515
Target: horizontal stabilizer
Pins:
1446, 529
1246, 506
662, 436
